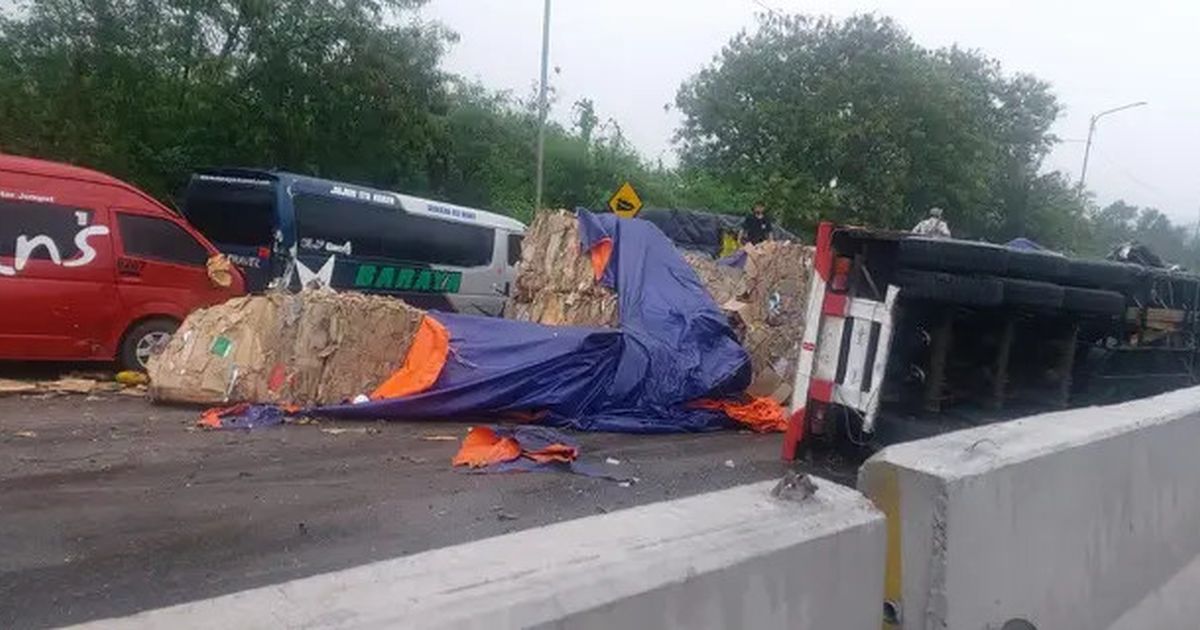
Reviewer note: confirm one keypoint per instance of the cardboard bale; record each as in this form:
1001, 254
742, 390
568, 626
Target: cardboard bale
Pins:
555, 308
313, 347
775, 292
555, 283
724, 283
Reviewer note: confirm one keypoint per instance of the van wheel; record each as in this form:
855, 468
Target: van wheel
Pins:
142, 340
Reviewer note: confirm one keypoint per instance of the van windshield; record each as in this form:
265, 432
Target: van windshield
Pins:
232, 210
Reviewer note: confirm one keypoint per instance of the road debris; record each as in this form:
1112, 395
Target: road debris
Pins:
25, 434
315, 351
86, 383
131, 377
342, 430
439, 438
795, 486
612, 461
729, 463
242, 416
524, 448
9, 387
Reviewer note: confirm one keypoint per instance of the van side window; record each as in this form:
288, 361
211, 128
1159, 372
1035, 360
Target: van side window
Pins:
514, 249
159, 239
379, 232
29, 219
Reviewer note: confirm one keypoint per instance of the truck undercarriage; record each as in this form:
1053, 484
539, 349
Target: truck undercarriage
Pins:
908, 335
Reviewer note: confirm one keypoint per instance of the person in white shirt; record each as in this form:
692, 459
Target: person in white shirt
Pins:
933, 226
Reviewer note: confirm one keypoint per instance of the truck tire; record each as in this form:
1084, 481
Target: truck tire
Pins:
1032, 293
947, 287
1037, 265
1093, 301
141, 339
1101, 274
951, 255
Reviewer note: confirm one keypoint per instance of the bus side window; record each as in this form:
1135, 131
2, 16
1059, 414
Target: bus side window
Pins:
514, 249
373, 231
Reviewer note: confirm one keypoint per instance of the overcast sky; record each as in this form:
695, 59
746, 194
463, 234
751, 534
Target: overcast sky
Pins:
630, 56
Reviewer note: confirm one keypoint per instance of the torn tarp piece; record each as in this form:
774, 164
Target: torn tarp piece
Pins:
243, 416
499, 449
758, 413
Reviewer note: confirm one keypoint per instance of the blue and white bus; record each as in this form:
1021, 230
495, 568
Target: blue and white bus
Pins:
286, 229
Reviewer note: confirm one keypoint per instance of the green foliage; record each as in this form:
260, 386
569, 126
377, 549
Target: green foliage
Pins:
149, 90
489, 159
802, 103
1121, 222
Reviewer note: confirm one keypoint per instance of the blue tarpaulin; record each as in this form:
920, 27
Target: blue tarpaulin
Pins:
674, 345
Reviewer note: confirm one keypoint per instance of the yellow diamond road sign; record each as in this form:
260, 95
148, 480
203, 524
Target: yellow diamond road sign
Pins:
625, 202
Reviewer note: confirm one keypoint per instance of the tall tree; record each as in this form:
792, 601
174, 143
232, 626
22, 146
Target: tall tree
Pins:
801, 103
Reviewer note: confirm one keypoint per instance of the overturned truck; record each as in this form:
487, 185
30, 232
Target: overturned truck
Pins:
908, 335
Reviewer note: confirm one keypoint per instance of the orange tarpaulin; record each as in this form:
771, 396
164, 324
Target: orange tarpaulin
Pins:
422, 365
600, 254
762, 414
484, 447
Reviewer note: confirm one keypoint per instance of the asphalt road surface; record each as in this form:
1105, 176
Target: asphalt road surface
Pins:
109, 505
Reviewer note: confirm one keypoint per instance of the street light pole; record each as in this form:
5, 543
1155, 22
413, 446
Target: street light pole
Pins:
541, 138
1087, 149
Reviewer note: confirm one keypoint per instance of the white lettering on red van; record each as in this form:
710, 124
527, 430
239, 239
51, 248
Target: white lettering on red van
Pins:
26, 246
24, 196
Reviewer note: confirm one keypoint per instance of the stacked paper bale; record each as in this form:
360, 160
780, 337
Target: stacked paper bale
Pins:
555, 284
774, 293
312, 347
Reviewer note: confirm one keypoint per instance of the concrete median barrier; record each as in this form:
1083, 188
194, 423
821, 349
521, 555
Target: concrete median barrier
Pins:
736, 558
1088, 519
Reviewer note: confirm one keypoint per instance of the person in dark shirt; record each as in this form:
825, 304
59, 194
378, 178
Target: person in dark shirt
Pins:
757, 227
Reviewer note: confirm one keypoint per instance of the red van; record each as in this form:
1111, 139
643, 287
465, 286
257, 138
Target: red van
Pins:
92, 268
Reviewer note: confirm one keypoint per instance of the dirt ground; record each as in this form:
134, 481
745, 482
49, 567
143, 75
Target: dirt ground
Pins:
110, 505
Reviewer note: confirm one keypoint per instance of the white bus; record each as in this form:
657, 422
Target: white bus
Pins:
290, 229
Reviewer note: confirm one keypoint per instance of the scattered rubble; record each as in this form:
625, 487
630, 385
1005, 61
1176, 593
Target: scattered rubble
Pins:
86, 383
794, 486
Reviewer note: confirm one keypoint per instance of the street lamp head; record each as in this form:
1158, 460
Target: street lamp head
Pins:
1118, 109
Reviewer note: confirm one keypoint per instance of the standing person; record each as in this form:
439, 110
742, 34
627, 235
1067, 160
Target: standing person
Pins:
757, 227
933, 226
